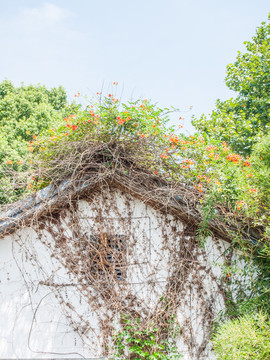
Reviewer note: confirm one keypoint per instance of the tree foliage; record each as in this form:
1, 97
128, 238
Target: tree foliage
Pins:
242, 120
25, 112
243, 123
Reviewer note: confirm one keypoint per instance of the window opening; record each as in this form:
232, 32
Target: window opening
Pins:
109, 254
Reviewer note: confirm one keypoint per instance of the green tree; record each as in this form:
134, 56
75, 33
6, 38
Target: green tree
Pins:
240, 121
25, 112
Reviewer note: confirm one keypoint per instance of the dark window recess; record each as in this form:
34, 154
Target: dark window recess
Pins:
109, 255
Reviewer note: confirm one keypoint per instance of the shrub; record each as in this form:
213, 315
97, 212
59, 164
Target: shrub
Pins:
137, 342
244, 338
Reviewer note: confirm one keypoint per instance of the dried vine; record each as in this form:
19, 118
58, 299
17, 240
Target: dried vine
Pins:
96, 257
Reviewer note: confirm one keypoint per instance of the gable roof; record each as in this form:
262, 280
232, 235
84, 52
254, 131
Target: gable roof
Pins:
180, 201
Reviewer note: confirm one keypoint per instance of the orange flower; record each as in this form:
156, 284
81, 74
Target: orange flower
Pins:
224, 144
9, 162
234, 158
174, 139
201, 139
199, 187
143, 136
188, 161
211, 147
253, 190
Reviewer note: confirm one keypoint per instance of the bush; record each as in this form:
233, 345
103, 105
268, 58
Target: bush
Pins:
243, 338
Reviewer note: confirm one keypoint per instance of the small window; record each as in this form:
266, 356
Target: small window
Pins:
109, 255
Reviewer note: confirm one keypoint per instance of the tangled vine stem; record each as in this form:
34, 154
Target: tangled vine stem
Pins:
133, 164
96, 166
98, 264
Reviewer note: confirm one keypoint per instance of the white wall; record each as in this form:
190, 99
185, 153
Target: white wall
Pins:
39, 320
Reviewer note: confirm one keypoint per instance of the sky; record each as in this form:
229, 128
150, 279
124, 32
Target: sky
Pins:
173, 52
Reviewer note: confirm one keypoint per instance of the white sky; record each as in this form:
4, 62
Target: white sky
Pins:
174, 52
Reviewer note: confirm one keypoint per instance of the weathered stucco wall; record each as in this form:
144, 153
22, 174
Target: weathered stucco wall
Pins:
51, 307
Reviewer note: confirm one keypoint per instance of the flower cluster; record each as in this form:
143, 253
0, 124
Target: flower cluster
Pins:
239, 204
235, 158
121, 121
204, 178
174, 139
253, 190
188, 163
199, 187
164, 156
73, 127
211, 148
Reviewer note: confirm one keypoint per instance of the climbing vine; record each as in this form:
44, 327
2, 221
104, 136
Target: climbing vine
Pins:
130, 147
136, 341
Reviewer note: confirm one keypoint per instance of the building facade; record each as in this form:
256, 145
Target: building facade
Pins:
68, 276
